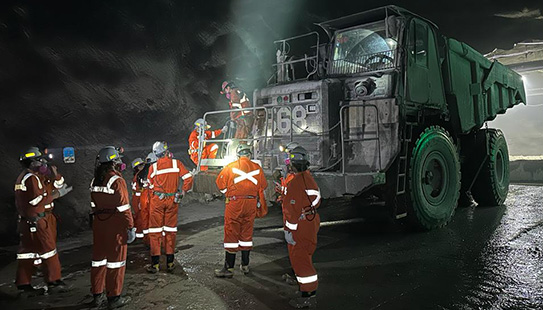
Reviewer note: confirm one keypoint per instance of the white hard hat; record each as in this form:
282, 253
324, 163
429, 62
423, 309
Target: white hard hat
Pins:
201, 123
160, 148
151, 158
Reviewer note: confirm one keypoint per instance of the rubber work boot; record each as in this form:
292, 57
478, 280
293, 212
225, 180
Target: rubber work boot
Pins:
244, 269
118, 302
304, 302
171, 267
99, 301
28, 291
58, 286
224, 272
289, 279
153, 268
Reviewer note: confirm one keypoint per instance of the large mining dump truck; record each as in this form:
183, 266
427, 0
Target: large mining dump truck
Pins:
389, 109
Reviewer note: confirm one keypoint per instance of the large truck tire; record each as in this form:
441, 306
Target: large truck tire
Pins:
434, 179
492, 185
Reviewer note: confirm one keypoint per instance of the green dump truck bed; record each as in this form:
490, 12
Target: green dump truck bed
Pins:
477, 89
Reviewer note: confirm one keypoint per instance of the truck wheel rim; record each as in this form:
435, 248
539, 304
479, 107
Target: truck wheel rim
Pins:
434, 178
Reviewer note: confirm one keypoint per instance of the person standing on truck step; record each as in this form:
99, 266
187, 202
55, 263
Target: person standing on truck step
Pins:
137, 166
238, 100
112, 227
37, 243
301, 225
208, 150
242, 182
165, 177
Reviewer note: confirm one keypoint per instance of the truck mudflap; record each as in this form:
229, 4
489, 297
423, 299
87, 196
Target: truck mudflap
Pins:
331, 185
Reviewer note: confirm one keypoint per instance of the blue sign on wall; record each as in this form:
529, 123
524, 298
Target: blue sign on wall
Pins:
69, 155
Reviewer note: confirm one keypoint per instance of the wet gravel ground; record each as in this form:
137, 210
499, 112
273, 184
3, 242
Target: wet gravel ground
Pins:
486, 258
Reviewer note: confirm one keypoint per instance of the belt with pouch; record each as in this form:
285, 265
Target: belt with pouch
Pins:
239, 197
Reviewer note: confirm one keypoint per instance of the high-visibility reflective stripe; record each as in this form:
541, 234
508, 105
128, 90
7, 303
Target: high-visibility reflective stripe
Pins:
112, 180
244, 99
245, 176
212, 135
173, 169
27, 255
48, 254
36, 200
186, 176
59, 183
170, 229
223, 190
145, 231
20, 187
28, 175
305, 280
137, 194
214, 147
102, 189
48, 206
98, 263
291, 226
93, 205
134, 186
115, 265
37, 261
139, 235
155, 230
312, 192
123, 208
245, 243
231, 245
236, 105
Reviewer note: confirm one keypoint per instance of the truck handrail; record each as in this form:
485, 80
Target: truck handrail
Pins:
202, 139
281, 65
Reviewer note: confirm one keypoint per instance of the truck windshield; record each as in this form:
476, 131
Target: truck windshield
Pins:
363, 49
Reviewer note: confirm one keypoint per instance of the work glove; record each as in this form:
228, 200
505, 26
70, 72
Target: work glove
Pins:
178, 196
224, 129
65, 189
131, 235
289, 238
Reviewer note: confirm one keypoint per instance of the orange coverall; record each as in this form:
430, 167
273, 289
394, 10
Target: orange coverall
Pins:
37, 243
136, 207
243, 119
51, 184
241, 181
208, 151
112, 219
164, 179
301, 193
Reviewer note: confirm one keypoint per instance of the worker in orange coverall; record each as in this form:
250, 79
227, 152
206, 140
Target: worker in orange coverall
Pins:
137, 187
53, 181
287, 173
301, 224
112, 226
164, 182
37, 242
145, 197
208, 150
242, 182
238, 100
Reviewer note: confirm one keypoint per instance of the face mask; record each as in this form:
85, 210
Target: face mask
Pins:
121, 166
44, 169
